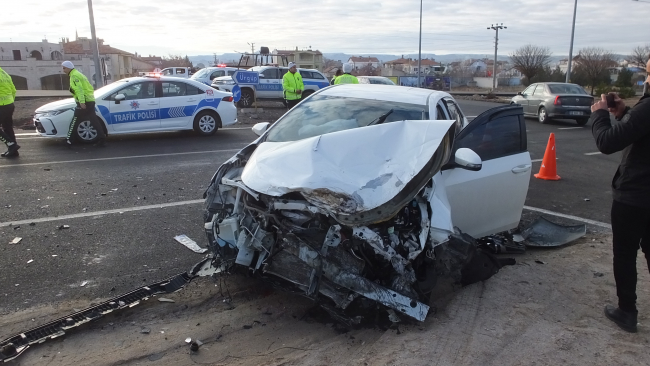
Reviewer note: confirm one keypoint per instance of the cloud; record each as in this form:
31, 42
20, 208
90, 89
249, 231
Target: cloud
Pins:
359, 26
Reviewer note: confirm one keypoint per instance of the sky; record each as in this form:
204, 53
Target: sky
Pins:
166, 27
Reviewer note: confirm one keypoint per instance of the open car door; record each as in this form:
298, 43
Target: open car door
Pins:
490, 200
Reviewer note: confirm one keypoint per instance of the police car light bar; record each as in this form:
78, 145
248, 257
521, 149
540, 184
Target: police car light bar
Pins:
221, 65
153, 74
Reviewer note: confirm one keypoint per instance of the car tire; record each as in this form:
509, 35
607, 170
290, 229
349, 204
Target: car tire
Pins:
206, 123
307, 93
246, 99
582, 121
542, 115
85, 132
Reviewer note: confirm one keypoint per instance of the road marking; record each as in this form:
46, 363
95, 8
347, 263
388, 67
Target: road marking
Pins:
594, 153
571, 217
121, 157
569, 128
99, 213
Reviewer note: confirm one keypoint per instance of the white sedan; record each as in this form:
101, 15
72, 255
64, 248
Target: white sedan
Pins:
358, 191
143, 104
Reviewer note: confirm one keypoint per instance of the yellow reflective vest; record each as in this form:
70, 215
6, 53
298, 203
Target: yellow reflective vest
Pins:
7, 89
291, 83
80, 88
346, 79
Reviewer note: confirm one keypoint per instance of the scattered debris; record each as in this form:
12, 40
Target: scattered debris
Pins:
114, 189
61, 227
30, 261
540, 262
544, 233
190, 244
32, 224
587, 200
47, 169
16, 240
16, 227
598, 274
156, 356
84, 283
162, 299
54, 255
194, 346
145, 330
7, 206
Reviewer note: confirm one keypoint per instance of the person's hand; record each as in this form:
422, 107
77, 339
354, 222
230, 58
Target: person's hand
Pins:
298, 91
601, 104
620, 107
82, 105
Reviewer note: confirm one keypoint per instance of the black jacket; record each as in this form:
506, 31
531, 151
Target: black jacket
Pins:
631, 183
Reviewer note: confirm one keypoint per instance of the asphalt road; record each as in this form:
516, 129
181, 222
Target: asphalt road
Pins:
116, 252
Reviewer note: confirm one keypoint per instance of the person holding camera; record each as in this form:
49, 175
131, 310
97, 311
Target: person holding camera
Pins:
630, 213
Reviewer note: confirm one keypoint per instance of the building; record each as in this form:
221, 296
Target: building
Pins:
33, 65
359, 62
305, 59
157, 61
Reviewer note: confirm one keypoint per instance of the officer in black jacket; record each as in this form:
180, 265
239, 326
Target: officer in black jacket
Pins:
631, 190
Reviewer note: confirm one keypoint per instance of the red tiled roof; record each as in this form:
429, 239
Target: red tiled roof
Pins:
399, 61
363, 59
76, 47
152, 58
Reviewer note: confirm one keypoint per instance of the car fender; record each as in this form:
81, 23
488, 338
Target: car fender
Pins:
206, 108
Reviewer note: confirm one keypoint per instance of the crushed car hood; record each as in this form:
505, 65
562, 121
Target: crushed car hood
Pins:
352, 171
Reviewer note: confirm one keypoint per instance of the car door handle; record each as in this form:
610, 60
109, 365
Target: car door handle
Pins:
191, 100
521, 168
152, 103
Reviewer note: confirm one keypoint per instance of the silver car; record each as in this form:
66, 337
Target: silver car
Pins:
548, 101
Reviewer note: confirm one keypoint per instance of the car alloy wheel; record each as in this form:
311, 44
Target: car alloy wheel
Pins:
207, 124
86, 131
542, 116
246, 99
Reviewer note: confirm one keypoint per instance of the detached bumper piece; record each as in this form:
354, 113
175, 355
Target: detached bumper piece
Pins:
14, 346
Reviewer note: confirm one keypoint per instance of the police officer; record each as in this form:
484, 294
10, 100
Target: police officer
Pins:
339, 72
346, 78
7, 96
293, 86
631, 192
84, 95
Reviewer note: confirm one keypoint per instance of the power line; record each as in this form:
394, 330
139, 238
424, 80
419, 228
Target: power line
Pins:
496, 46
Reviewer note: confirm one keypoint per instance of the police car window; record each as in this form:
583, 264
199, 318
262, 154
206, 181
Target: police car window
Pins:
137, 91
217, 74
316, 75
180, 71
230, 72
306, 74
173, 89
495, 139
270, 74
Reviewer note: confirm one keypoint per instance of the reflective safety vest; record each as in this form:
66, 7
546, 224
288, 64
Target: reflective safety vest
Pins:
346, 79
80, 88
291, 83
7, 89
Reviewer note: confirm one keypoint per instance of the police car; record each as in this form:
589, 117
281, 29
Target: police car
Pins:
270, 84
144, 104
206, 75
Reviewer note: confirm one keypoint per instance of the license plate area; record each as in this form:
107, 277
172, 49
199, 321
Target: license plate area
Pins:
576, 113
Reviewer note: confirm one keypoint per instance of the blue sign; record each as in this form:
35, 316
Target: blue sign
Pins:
236, 93
242, 77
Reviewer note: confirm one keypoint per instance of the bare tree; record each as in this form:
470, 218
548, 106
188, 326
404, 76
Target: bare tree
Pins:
530, 60
594, 63
176, 60
367, 70
640, 55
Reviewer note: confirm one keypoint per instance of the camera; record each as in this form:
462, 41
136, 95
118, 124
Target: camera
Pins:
611, 102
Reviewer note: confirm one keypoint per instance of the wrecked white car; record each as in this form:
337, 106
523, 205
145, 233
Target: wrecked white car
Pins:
363, 196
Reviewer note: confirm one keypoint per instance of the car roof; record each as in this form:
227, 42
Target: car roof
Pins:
389, 93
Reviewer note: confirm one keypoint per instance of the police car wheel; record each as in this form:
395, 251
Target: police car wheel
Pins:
246, 99
86, 132
206, 123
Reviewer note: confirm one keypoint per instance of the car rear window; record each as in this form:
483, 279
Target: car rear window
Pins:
566, 89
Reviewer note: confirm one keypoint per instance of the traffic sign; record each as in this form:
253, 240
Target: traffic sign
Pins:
242, 77
236, 93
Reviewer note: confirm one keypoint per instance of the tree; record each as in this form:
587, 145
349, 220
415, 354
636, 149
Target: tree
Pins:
624, 78
176, 61
367, 70
640, 55
594, 63
530, 60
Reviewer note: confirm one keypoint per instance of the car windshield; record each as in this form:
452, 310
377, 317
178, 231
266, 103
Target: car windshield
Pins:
566, 89
110, 87
200, 74
381, 81
323, 114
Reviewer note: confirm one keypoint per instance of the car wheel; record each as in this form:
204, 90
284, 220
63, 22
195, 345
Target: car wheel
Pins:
582, 121
206, 123
307, 93
86, 132
542, 115
246, 99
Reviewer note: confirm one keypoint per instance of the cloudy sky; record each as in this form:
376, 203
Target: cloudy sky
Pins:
164, 27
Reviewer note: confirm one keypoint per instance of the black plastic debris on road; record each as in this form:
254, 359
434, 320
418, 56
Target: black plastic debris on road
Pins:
543, 233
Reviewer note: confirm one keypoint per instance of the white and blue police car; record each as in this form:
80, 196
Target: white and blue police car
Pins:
206, 75
143, 104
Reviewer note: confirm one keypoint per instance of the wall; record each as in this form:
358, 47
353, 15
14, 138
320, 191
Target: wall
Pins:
43, 74
484, 82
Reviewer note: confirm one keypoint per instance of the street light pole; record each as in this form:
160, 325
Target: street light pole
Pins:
420, 49
99, 76
496, 46
573, 28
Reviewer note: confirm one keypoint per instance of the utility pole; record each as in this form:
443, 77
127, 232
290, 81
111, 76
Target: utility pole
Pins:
573, 28
496, 46
252, 47
420, 50
99, 76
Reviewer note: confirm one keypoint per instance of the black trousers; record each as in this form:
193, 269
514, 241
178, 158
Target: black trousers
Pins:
7, 123
631, 229
87, 114
292, 103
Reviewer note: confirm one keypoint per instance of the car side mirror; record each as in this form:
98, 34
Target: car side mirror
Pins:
262, 76
519, 93
467, 159
260, 128
118, 98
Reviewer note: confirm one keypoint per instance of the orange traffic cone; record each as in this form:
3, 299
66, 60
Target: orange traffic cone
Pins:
548, 171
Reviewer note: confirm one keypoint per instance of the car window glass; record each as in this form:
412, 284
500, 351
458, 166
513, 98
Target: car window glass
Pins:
305, 74
201, 73
282, 72
321, 114
316, 75
178, 89
566, 89
539, 90
180, 71
456, 114
529, 90
497, 138
270, 73
230, 72
217, 73
440, 113
137, 91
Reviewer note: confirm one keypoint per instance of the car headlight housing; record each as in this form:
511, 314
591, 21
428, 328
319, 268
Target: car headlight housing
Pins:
54, 112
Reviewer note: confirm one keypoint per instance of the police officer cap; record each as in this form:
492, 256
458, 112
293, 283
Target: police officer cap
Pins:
347, 68
67, 64
292, 64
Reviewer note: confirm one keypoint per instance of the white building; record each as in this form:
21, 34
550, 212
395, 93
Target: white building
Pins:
33, 65
360, 62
